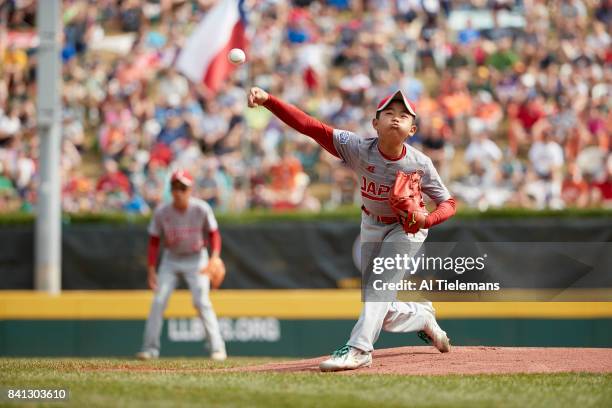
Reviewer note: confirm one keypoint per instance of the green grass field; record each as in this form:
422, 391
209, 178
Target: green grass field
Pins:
199, 382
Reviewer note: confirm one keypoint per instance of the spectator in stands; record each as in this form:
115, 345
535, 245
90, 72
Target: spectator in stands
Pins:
474, 86
602, 191
112, 180
575, 190
484, 185
546, 159
208, 187
484, 151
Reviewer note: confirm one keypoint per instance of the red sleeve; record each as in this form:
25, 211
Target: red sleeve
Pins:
443, 212
153, 250
215, 242
303, 123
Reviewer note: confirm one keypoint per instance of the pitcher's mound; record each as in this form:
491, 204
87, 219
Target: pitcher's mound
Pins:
467, 360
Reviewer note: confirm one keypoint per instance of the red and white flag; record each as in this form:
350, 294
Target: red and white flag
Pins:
204, 56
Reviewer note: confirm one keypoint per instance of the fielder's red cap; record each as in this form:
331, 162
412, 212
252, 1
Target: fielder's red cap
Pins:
183, 177
397, 96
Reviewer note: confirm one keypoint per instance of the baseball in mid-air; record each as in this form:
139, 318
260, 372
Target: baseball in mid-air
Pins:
236, 56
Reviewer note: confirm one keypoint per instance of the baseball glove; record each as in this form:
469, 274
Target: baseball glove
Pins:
406, 201
215, 271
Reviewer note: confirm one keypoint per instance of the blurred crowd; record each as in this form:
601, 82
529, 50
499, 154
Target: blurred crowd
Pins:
513, 100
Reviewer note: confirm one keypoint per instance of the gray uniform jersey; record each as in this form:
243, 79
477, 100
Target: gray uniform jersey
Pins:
377, 173
183, 233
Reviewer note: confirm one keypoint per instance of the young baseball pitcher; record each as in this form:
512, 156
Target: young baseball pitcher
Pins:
392, 175
185, 225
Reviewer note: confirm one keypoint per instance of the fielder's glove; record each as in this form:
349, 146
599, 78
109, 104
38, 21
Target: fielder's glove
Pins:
406, 201
215, 271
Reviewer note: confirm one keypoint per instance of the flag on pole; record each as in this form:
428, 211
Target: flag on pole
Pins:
204, 56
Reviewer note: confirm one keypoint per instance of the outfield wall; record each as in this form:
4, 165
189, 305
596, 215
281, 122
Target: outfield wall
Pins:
272, 323
307, 321
277, 255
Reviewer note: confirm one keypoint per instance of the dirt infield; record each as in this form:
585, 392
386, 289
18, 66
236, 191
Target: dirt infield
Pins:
466, 360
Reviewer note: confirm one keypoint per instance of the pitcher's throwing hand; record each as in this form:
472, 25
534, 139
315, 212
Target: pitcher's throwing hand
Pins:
257, 97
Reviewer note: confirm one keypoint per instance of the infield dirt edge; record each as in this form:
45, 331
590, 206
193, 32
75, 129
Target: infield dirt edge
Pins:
462, 360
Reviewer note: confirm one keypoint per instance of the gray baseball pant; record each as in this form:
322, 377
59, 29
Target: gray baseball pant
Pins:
390, 316
189, 266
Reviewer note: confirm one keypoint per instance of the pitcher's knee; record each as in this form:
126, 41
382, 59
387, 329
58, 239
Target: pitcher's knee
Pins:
202, 305
159, 301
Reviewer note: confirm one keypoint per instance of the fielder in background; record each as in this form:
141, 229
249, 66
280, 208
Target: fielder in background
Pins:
392, 176
185, 225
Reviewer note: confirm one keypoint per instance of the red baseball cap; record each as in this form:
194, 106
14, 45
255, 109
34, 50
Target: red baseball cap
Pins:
183, 177
397, 96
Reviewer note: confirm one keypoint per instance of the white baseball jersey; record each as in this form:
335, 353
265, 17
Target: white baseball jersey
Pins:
377, 173
183, 233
